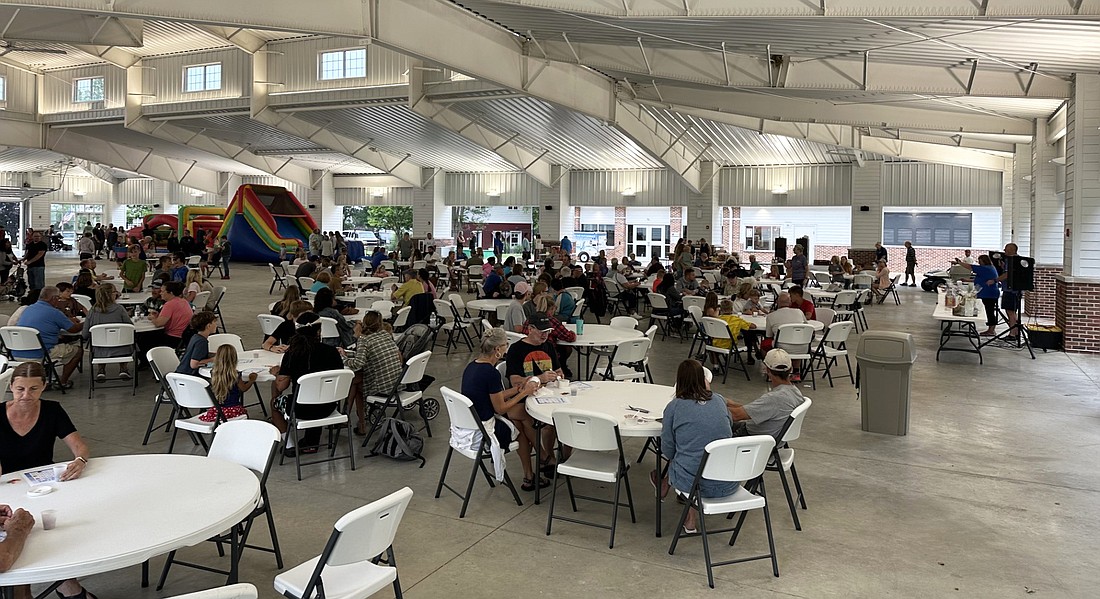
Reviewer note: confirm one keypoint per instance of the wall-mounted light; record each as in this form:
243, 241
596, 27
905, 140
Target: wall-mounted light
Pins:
779, 190
80, 193
629, 191
377, 192
196, 193
493, 193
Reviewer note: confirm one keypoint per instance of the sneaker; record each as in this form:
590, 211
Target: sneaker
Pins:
101, 377
636, 316
124, 375
225, 278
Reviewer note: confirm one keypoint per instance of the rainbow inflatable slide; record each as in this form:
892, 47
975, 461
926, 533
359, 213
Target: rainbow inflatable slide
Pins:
263, 218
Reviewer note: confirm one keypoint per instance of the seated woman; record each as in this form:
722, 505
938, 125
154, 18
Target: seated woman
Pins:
194, 285
227, 387
675, 301
845, 265
306, 355
710, 305
737, 326
482, 384
290, 295
381, 272
324, 304
278, 340
693, 419
377, 363
321, 282
882, 278
836, 270
107, 311
28, 428
85, 285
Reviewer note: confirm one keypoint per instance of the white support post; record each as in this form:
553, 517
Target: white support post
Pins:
704, 216
1047, 205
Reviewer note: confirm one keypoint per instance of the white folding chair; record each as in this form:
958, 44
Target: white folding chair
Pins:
201, 298
385, 308
823, 278
349, 564
614, 295
463, 417
110, 336
576, 292
401, 318
219, 339
162, 360
597, 454
659, 302
84, 301
215, 304
193, 393
242, 590
387, 282
695, 313
328, 329
732, 460
365, 302
796, 339
329, 386
305, 283
845, 305
455, 326
269, 322
473, 280
513, 336
694, 300
624, 322
717, 329
862, 281
627, 363
194, 261
832, 347
278, 277
418, 264
252, 444
782, 460
825, 315
579, 308
27, 339
401, 399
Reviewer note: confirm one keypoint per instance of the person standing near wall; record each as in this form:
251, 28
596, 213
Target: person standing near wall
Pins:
910, 264
35, 259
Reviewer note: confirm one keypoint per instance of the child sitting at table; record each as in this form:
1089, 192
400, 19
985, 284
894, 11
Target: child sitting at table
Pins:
227, 387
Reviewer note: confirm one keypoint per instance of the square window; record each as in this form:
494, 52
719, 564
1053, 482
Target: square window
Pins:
202, 77
88, 89
343, 64
3, 89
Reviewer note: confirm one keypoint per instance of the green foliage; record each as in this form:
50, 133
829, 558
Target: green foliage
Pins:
470, 215
9, 218
398, 219
534, 212
134, 214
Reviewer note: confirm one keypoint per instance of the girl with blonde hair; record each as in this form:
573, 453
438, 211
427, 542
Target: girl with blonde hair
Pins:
227, 387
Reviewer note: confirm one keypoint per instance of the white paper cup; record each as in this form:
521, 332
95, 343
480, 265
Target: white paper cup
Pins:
58, 471
49, 519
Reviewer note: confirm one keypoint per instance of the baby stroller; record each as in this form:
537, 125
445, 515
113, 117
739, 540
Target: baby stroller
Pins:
15, 287
57, 244
415, 340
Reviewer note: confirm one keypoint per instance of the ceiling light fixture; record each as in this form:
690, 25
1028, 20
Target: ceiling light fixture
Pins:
197, 194
377, 192
80, 193
779, 190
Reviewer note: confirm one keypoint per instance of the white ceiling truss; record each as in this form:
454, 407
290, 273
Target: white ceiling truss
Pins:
613, 83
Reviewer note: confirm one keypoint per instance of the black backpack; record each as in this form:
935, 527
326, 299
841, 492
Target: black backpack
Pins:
399, 441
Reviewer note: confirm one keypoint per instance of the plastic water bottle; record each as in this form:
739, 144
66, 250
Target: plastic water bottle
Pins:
580, 325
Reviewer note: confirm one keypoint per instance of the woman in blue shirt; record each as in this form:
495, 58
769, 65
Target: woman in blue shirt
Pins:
985, 279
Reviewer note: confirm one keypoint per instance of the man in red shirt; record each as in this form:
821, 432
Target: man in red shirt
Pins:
797, 301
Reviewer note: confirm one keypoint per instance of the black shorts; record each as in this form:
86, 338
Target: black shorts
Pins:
1010, 300
503, 433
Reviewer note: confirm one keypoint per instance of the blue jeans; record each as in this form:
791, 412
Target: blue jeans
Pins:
36, 277
224, 264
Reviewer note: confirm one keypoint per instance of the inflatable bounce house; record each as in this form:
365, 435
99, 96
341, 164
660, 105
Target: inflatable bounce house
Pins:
161, 224
261, 219
193, 219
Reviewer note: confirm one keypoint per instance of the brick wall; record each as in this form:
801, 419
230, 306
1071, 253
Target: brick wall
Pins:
1076, 311
735, 241
1040, 303
676, 224
620, 234
927, 258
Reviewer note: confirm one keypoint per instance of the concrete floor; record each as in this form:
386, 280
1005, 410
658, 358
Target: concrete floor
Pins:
990, 495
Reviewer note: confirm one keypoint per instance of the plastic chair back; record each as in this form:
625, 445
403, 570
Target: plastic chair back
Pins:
415, 367
651, 331
306, 282
241, 590
576, 292
21, 338
368, 531
190, 392
586, 431
838, 332
631, 351
402, 317
459, 409
457, 301
328, 328
845, 299
624, 322
716, 328
162, 360
825, 315
823, 277
738, 459
83, 300
269, 322
365, 302
112, 335
658, 301
794, 334
201, 298
798, 416
219, 339
328, 386
513, 337
245, 442
862, 281
385, 308
694, 300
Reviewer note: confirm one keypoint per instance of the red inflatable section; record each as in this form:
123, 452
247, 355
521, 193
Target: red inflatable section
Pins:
153, 221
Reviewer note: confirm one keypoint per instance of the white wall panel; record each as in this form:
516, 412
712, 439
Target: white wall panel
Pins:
96, 191
516, 215
651, 187
924, 184
20, 88
165, 78
646, 216
137, 192
806, 186
867, 192
57, 89
362, 196
472, 189
300, 191
603, 215
826, 225
297, 65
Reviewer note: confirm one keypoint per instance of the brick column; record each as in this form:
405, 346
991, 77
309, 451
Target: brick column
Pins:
620, 234
1076, 312
735, 239
675, 226
1040, 303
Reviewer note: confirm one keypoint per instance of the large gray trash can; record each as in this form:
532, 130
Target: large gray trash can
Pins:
885, 361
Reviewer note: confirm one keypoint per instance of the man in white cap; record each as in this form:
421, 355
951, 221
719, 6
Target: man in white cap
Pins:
515, 317
768, 414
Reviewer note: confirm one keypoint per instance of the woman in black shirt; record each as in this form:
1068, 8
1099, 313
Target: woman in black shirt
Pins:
306, 355
278, 340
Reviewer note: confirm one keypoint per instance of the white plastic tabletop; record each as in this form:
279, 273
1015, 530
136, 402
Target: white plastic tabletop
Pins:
762, 321
612, 398
125, 510
259, 361
487, 305
816, 293
133, 298
600, 335
943, 313
362, 280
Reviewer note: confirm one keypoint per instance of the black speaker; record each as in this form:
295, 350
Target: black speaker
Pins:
611, 238
1021, 273
864, 208
548, 207
781, 249
804, 241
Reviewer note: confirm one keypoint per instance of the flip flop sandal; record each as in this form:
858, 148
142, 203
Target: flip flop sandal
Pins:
529, 485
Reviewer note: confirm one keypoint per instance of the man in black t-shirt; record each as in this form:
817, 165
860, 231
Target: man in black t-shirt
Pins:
35, 259
534, 356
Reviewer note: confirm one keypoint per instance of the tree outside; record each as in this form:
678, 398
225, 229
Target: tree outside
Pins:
9, 218
395, 219
134, 214
470, 217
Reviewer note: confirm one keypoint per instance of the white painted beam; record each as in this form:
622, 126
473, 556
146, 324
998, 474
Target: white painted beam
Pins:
283, 168
434, 32
260, 110
97, 170
777, 108
652, 9
728, 69
533, 164
113, 54
238, 36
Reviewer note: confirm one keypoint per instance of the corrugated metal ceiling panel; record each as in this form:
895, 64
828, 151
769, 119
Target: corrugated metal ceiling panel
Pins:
173, 37
573, 139
29, 160
239, 128
399, 131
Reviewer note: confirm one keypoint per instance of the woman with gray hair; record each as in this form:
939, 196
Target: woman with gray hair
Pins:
484, 386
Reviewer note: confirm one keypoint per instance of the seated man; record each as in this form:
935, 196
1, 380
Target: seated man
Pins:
534, 357
179, 267
491, 287
783, 314
516, 316
156, 297
412, 286
50, 323
800, 302
89, 265
308, 268
689, 284
630, 286
17, 527
769, 412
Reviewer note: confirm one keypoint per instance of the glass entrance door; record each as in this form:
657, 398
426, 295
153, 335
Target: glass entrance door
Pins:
647, 241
